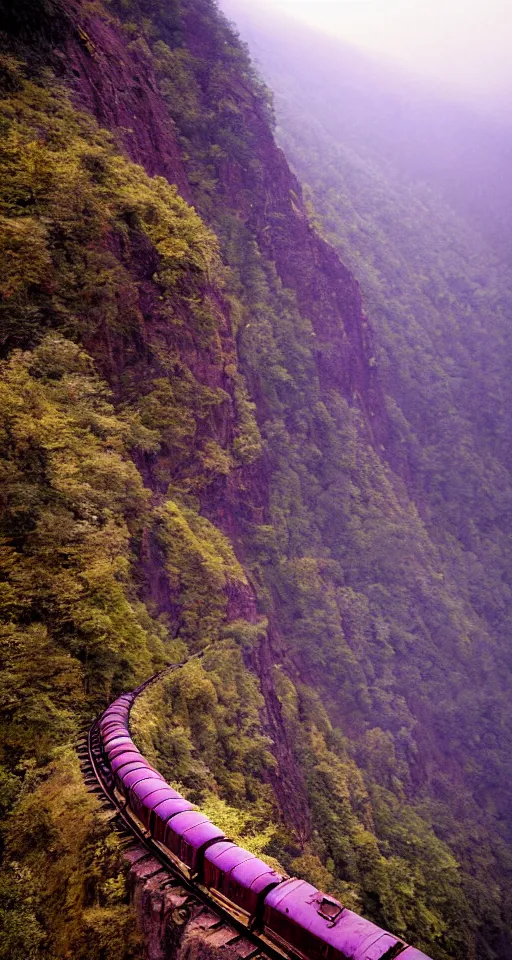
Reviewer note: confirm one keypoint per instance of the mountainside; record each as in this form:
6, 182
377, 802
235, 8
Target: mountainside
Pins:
205, 446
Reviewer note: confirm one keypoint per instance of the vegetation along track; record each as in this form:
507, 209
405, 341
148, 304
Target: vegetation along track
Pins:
228, 931
264, 910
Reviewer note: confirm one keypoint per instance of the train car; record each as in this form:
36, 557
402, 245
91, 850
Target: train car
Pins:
116, 739
122, 750
297, 918
145, 793
238, 880
162, 812
412, 954
126, 763
112, 728
110, 745
186, 838
126, 768
118, 716
112, 733
132, 778
123, 756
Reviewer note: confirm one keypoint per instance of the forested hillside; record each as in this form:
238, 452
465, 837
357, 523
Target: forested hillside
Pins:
208, 444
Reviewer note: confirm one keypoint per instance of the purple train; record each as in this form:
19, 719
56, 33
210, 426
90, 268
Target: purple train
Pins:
290, 915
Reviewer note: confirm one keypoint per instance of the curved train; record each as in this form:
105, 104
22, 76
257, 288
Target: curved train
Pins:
290, 915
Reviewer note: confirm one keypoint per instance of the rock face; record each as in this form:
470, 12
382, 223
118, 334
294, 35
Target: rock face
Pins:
174, 925
115, 80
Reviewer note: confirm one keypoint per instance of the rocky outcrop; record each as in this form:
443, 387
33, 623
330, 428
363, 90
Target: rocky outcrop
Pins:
174, 925
113, 77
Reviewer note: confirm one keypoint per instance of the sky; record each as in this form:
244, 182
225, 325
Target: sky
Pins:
466, 44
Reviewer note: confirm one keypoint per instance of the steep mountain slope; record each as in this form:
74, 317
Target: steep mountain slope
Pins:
197, 453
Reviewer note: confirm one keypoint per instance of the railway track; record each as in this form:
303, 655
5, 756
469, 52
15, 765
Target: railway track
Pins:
219, 928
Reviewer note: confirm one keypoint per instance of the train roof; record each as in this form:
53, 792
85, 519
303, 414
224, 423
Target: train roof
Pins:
195, 828
226, 856
412, 954
109, 723
168, 807
144, 789
255, 874
171, 795
125, 762
115, 719
112, 734
121, 749
116, 710
136, 776
349, 934
110, 747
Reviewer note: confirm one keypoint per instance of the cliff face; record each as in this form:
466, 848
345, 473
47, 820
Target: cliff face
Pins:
173, 923
114, 78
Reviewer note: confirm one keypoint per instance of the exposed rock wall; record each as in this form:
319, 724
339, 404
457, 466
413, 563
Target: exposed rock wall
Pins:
114, 79
173, 924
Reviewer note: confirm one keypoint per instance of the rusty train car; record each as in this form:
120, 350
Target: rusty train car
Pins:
290, 915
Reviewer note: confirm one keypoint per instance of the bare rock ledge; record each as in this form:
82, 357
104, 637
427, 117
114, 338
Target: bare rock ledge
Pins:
173, 924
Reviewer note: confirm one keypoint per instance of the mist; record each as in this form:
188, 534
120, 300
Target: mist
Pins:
450, 131
463, 45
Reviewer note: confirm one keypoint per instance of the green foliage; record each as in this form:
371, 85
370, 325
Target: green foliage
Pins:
71, 501
64, 868
203, 728
87, 239
75, 219
200, 564
67, 197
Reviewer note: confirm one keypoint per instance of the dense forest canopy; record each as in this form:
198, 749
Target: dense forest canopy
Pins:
207, 445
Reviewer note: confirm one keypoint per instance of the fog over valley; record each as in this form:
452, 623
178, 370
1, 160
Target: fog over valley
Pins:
425, 129
464, 45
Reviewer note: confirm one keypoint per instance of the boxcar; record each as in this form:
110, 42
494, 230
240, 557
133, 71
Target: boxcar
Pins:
297, 915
